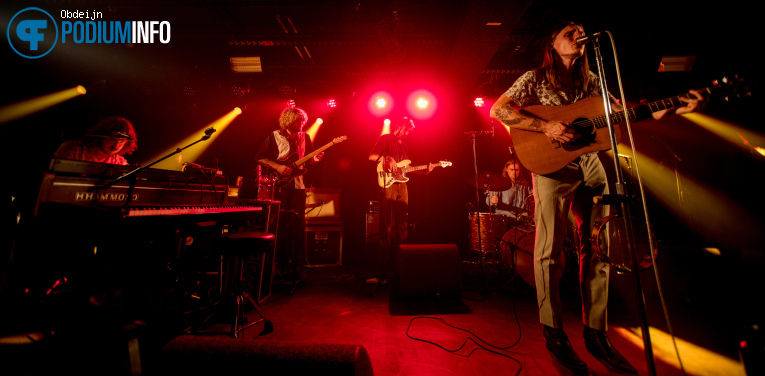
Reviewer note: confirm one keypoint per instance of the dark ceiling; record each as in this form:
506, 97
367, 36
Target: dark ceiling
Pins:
315, 45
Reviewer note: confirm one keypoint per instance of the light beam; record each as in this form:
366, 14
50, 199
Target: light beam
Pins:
27, 107
192, 153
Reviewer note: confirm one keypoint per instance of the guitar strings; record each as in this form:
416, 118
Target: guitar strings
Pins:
633, 112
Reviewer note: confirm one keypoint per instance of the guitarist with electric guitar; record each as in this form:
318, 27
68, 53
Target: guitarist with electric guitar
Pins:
570, 176
286, 153
391, 155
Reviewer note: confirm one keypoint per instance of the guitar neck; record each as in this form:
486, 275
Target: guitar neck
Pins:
414, 168
313, 153
639, 112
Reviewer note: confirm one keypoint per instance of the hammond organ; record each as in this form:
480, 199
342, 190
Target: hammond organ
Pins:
155, 226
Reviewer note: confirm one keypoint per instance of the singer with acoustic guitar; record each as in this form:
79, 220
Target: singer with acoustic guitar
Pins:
565, 80
275, 153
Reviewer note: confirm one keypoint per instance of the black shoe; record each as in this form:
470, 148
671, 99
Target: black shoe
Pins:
561, 350
600, 347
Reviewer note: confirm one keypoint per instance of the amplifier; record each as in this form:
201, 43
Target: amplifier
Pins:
322, 204
324, 243
372, 228
374, 206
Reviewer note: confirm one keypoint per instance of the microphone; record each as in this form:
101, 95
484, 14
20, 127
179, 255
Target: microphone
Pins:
209, 131
587, 38
125, 135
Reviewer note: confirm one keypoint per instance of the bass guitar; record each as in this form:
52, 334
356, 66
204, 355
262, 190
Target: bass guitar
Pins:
297, 165
542, 155
386, 178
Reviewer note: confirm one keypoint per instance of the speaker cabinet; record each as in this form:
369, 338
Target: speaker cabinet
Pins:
208, 355
324, 243
372, 228
429, 271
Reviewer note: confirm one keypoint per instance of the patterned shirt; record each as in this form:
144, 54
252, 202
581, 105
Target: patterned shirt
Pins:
77, 150
520, 195
532, 88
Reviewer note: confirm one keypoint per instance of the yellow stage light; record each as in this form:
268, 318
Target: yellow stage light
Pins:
693, 202
696, 360
736, 135
314, 128
386, 127
192, 153
27, 107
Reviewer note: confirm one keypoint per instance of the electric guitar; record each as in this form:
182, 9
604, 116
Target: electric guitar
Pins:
386, 178
280, 181
542, 155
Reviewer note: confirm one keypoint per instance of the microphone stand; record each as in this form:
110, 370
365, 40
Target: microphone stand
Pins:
473, 135
132, 174
623, 200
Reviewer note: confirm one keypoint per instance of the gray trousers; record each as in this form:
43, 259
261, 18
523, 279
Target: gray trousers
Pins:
572, 187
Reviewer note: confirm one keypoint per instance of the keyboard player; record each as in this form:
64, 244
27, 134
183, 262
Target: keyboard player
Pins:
106, 142
154, 245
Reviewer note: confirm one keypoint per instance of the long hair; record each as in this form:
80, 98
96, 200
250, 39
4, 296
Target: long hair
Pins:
403, 124
553, 64
110, 127
508, 163
290, 114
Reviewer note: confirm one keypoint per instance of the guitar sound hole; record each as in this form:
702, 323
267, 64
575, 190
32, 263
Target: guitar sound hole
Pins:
584, 135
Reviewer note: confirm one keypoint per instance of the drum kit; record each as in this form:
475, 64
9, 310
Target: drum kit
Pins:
506, 244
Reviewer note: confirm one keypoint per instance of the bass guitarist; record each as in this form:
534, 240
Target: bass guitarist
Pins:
281, 146
390, 150
564, 79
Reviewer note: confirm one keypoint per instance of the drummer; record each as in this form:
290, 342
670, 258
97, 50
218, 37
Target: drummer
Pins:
512, 202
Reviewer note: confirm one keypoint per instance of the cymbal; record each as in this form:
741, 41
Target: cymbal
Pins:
515, 209
490, 181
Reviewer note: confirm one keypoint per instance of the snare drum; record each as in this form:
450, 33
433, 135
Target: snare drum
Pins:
486, 231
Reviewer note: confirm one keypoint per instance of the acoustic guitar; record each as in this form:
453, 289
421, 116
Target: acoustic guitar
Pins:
542, 155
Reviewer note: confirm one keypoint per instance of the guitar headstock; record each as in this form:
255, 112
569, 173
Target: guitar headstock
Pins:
340, 139
729, 89
444, 163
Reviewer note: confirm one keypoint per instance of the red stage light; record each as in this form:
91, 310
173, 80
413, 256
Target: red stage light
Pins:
380, 103
478, 102
421, 104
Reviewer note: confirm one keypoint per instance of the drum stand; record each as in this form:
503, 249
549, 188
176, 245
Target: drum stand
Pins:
622, 198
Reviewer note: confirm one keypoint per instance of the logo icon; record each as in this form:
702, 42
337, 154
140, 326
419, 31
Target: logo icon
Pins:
32, 33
